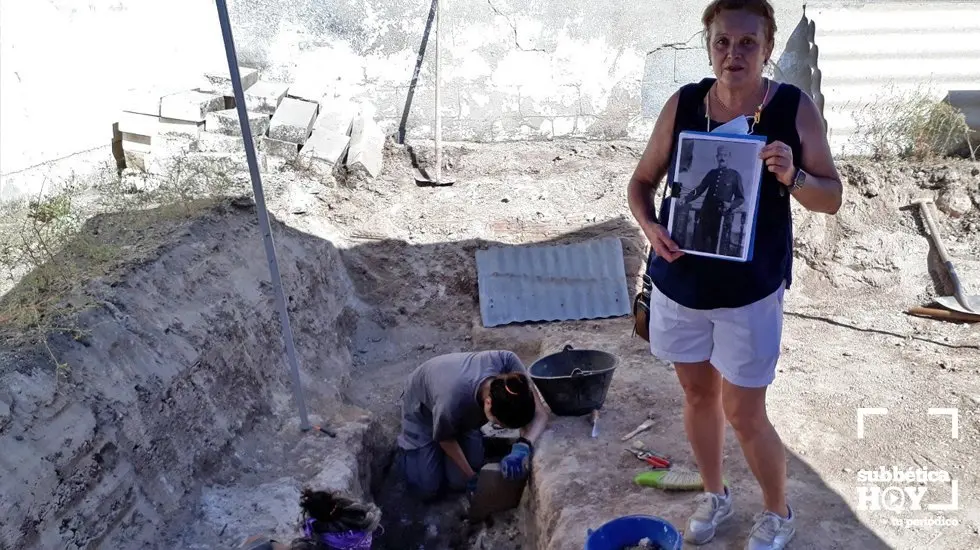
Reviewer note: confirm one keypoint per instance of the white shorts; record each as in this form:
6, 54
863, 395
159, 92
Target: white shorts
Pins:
742, 343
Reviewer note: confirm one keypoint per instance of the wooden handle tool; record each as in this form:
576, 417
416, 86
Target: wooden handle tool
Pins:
943, 314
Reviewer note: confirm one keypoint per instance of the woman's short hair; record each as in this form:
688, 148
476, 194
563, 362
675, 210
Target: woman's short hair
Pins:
511, 400
762, 8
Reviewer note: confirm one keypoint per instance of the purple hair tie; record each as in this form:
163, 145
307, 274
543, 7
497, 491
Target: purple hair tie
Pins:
350, 540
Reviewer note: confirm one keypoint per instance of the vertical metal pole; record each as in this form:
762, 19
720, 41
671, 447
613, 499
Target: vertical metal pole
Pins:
438, 96
270, 247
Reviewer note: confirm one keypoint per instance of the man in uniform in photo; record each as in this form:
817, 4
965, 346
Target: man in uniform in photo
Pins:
723, 194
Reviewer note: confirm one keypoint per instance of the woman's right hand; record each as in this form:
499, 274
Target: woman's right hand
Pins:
662, 244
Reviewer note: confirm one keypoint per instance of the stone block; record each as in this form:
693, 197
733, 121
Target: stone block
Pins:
195, 166
145, 101
174, 144
219, 80
226, 122
282, 149
220, 143
190, 106
324, 151
293, 121
265, 97
135, 123
367, 142
180, 127
336, 117
135, 160
136, 143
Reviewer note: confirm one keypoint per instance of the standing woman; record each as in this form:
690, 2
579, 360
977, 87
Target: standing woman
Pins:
718, 321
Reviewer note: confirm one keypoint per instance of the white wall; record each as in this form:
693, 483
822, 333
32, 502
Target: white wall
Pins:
512, 70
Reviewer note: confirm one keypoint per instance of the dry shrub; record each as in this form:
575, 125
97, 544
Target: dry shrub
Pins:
911, 125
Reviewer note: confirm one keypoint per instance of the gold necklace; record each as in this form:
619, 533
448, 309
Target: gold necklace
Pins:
755, 118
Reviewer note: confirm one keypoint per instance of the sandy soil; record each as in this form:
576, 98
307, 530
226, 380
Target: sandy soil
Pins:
383, 276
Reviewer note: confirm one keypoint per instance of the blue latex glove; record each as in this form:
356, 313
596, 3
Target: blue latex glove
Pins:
516, 464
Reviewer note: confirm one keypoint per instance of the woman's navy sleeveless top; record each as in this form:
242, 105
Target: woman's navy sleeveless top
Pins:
700, 282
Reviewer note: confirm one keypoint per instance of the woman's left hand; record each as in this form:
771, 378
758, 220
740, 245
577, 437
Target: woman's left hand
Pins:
779, 160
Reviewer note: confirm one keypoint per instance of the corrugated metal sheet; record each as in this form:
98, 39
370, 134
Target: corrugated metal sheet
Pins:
868, 51
552, 283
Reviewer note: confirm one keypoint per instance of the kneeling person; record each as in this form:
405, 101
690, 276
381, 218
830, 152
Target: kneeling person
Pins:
446, 402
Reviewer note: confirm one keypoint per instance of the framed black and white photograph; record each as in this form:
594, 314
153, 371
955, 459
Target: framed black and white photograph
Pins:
716, 194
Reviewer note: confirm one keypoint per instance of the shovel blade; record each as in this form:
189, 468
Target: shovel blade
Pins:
950, 302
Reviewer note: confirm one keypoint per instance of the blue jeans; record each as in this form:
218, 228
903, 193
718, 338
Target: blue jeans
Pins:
429, 472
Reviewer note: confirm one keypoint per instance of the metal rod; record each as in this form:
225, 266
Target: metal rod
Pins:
270, 247
438, 95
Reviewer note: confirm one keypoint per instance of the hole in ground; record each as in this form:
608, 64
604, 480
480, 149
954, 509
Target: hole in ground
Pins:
175, 425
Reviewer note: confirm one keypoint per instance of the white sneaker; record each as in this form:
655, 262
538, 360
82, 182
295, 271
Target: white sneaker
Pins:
712, 511
771, 531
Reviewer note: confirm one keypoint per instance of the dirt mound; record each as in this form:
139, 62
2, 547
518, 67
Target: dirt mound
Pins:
183, 357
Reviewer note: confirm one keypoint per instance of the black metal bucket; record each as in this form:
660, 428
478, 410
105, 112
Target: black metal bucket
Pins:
574, 382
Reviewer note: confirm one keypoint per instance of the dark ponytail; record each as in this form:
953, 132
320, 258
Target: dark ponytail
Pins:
511, 400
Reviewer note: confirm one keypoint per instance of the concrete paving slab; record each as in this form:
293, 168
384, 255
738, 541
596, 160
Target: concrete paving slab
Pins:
264, 97
218, 81
181, 127
366, 154
135, 123
293, 121
226, 122
282, 149
190, 106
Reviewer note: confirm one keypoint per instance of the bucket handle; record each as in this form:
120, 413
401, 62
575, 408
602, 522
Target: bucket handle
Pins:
568, 347
579, 372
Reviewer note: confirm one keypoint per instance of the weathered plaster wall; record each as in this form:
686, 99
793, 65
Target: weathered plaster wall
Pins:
511, 70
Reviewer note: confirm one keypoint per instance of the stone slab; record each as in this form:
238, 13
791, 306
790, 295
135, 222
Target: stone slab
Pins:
145, 101
190, 106
226, 122
136, 123
494, 493
282, 149
181, 127
264, 97
336, 117
200, 164
366, 154
293, 120
135, 159
326, 147
175, 144
136, 142
218, 81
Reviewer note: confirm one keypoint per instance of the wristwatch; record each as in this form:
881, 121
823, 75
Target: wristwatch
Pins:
798, 180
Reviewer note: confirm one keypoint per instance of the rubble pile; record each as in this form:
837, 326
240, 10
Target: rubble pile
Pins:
302, 128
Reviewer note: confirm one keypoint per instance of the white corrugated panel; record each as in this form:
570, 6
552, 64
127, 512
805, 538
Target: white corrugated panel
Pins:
871, 51
552, 283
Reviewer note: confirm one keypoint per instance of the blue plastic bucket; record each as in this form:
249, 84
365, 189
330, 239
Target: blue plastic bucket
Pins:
630, 530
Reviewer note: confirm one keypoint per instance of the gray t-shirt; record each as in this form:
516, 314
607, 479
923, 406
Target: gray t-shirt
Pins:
441, 401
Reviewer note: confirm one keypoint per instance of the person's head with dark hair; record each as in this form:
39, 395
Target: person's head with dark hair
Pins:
329, 519
740, 36
509, 401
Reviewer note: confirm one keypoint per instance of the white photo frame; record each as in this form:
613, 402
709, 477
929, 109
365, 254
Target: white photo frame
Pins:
712, 171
